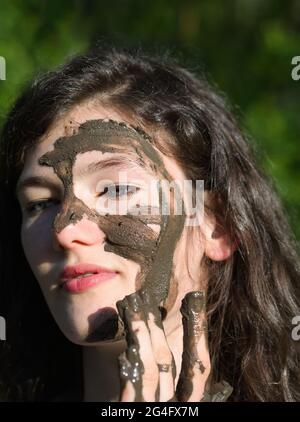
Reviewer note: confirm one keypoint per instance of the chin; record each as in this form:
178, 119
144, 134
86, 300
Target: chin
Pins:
74, 335
98, 331
92, 339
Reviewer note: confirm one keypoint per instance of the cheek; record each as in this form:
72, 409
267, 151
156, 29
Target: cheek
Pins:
188, 253
187, 272
29, 241
36, 242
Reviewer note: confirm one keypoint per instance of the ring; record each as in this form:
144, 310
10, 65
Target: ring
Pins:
164, 367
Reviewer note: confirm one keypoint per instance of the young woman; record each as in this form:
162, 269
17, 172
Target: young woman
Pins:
203, 306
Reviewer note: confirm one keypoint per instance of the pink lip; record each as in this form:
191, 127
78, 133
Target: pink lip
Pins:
76, 285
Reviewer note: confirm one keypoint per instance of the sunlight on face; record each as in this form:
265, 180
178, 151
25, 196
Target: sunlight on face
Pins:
42, 200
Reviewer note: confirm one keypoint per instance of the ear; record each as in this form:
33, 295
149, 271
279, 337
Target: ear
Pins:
218, 245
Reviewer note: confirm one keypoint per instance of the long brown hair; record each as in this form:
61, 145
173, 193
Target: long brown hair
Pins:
252, 297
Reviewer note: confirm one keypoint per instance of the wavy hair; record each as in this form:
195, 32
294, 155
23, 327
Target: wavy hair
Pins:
252, 296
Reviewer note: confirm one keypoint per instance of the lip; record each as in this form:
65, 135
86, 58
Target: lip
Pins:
71, 283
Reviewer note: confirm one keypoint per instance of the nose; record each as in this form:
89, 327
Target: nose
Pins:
80, 233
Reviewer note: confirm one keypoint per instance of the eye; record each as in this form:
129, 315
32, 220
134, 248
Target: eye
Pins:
117, 191
36, 207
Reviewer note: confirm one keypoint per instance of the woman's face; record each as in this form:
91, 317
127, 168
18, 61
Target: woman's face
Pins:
84, 250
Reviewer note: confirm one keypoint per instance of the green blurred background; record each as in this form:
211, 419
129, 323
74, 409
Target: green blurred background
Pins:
244, 47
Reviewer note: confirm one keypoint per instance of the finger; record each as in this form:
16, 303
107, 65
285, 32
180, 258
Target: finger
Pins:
131, 366
195, 367
150, 380
127, 393
218, 392
144, 374
161, 351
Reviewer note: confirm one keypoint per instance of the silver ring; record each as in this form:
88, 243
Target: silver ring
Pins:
164, 367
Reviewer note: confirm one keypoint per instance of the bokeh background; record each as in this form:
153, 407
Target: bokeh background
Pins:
244, 47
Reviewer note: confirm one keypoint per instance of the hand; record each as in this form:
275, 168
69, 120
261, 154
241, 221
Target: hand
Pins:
147, 368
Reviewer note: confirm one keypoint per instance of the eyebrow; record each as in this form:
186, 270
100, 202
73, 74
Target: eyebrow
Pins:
40, 181
121, 162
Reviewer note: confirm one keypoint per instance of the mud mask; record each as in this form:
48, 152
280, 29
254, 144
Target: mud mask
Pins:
128, 236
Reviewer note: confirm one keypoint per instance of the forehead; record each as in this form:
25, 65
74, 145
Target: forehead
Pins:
63, 126
74, 118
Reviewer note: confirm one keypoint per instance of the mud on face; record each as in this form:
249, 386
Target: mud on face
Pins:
128, 236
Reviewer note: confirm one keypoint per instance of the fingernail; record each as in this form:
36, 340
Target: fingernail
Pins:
193, 302
135, 303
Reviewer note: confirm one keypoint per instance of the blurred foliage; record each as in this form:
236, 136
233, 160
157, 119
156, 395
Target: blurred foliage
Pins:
244, 47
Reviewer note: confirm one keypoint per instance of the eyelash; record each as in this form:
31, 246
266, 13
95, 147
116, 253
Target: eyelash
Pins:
31, 207
116, 188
